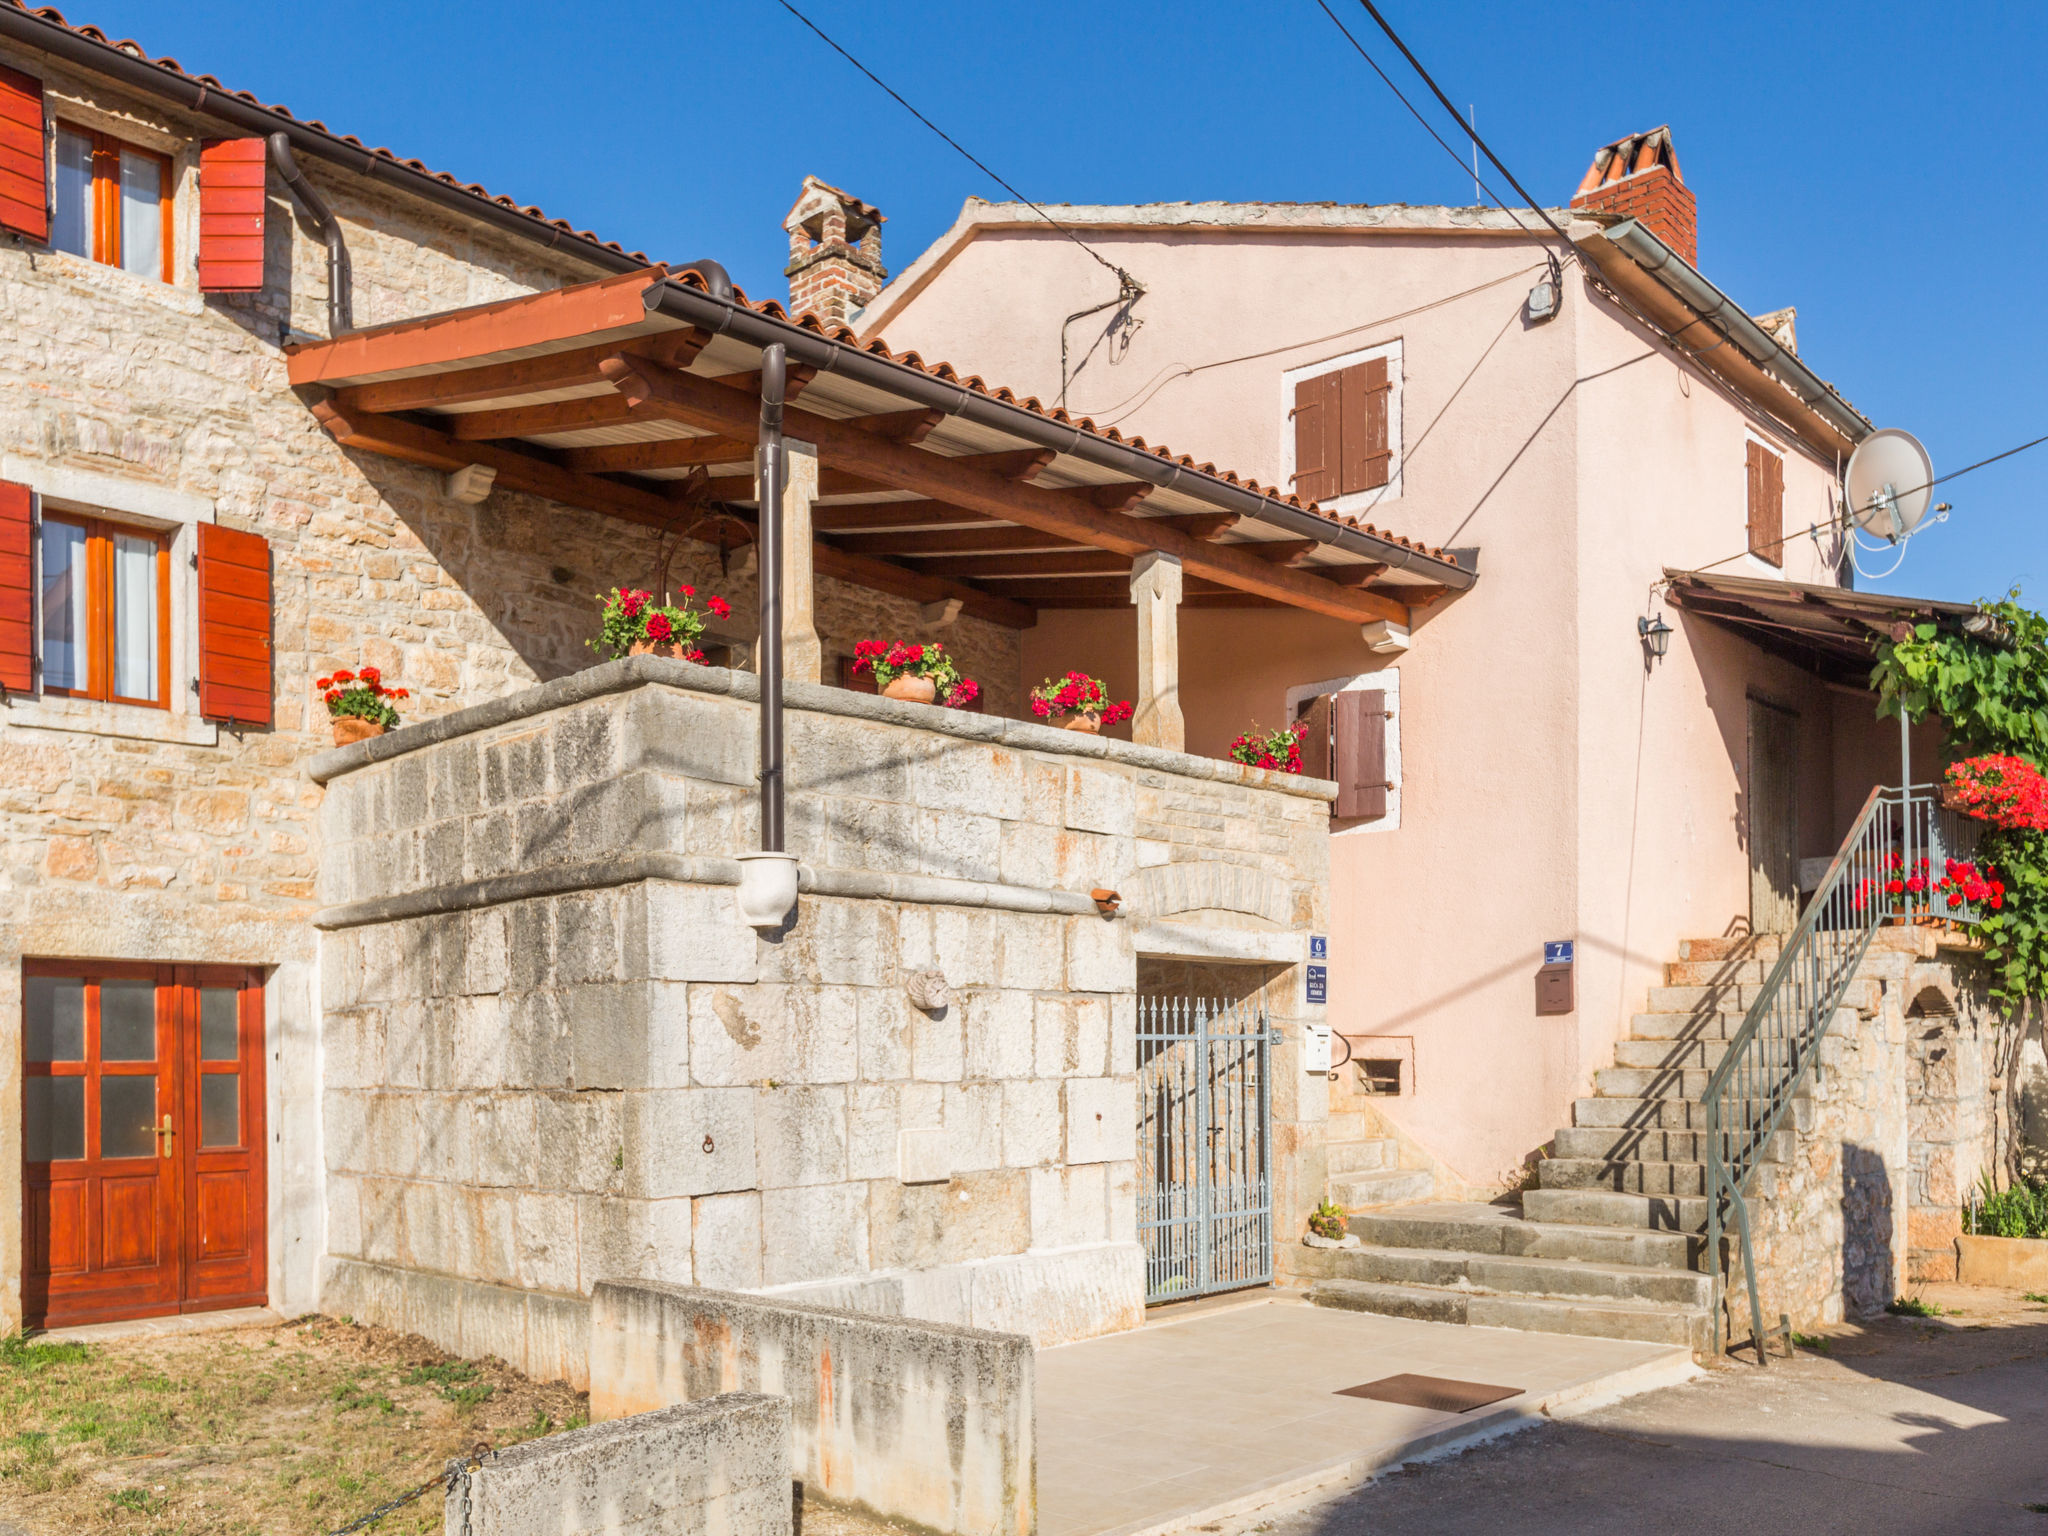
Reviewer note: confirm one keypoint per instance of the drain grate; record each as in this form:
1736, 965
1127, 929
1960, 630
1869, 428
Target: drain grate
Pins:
1437, 1392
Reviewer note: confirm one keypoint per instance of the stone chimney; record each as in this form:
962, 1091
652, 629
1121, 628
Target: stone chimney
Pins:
1638, 178
835, 253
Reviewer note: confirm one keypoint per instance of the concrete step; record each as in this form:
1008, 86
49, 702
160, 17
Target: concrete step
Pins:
1626, 1175
1464, 1227
1363, 1156
1448, 1268
1611, 1208
1685, 1026
1719, 999
1697, 973
1638, 1114
1704, 1055
1623, 1143
1759, 946
1649, 1083
1644, 1321
1388, 1186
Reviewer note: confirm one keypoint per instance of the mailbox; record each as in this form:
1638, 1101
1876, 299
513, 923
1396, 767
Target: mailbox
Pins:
1554, 990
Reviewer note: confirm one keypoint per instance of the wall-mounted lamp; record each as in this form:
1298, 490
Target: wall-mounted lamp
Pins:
1656, 637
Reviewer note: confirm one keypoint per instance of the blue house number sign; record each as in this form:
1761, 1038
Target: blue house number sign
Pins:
1319, 983
1557, 952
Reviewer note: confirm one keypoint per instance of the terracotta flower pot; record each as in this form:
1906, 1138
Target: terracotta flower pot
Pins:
1087, 724
915, 690
354, 728
668, 648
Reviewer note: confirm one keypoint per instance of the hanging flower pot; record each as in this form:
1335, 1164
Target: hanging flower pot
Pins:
911, 689
1078, 702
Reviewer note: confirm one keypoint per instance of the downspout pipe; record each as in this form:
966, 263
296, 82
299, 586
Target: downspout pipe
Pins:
1683, 281
728, 317
340, 276
774, 384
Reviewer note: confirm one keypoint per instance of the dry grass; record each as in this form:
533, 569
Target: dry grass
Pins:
261, 1431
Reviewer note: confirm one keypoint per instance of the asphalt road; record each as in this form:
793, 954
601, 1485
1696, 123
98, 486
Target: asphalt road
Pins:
1902, 1426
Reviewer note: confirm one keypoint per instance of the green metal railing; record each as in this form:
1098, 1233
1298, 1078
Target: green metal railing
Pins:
1902, 838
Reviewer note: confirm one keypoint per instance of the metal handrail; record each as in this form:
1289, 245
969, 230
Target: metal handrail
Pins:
1900, 834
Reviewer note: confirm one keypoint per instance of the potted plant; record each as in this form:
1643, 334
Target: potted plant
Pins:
919, 674
359, 704
1078, 702
635, 625
1329, 1227
2008, 792
1278, 750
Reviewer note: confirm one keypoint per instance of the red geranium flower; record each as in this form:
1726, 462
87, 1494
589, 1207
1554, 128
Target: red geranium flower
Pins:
659, 628
719, 606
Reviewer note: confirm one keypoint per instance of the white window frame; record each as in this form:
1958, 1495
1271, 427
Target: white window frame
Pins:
1357, 501
81, 493
1388, 680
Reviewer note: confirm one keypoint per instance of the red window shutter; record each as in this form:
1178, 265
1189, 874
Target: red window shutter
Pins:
1766, 504
1361, 754
234, 625
17, 589
24, 176
231, 216
1316, 438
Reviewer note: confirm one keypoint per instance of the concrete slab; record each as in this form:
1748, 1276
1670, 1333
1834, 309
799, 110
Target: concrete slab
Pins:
1222, 1410
158, 1327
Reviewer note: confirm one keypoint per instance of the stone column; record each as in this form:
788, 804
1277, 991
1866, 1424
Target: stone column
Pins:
803, 658
1155, 589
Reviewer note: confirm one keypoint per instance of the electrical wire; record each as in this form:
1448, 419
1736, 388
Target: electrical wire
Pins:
1110, 415
1412, 112
966, 154
1471, 131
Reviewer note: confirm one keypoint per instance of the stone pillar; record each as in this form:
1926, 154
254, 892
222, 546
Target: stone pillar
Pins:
1155, 589
803, 658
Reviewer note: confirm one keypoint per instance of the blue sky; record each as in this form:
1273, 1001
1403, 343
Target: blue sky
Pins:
1878, 166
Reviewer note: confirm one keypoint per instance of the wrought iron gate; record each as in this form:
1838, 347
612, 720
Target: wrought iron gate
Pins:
1205, 1121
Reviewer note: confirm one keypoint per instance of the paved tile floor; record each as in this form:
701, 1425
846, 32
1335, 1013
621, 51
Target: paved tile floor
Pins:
1229, 1408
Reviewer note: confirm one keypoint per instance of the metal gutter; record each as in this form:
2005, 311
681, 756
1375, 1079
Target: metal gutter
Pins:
340, 274
1683, 282
722, 316
32, 30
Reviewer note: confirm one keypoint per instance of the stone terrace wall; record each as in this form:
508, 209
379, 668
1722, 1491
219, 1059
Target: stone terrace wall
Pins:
1839, 1228
554, 1054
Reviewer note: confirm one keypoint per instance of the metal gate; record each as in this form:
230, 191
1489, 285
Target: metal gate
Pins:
1205, 1122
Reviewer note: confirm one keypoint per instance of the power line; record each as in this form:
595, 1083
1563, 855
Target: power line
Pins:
1416, 64
1412, 112
1122, 276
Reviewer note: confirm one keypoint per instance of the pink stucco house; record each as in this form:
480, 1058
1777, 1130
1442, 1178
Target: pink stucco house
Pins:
1585, 419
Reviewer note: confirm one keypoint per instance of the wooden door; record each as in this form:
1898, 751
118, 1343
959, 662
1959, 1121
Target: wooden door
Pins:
133, 1204
1773, 818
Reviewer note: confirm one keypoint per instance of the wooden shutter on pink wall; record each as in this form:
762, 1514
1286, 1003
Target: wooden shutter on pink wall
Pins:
24, 181
231, 216
1361, 754
234, 625
1315, 741
17, 589
1315, 438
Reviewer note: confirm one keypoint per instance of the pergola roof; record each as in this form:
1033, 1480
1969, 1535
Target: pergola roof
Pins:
637, 396
1829, 630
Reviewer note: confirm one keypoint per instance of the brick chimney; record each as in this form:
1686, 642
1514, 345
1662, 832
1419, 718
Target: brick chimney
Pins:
835, 252
1638, 177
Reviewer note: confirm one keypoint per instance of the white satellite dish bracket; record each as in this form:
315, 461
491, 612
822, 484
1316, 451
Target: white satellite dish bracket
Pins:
1888, 484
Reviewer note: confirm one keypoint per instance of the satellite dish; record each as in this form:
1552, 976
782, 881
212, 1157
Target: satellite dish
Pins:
1889, 484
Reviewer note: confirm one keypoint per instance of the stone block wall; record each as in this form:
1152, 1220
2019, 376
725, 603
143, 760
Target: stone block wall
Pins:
555, 1055
1842, 1229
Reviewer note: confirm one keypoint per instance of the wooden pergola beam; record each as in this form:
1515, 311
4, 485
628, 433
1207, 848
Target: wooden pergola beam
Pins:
1283, 551
662, 453
831, 482
953, 541
540, 420
1080, 561
871, 516
710, 406
524, 376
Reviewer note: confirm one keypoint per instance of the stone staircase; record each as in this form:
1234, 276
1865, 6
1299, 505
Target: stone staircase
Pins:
1369, 1173
1610, 1240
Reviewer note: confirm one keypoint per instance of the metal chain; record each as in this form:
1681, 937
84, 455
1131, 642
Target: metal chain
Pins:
445, 1481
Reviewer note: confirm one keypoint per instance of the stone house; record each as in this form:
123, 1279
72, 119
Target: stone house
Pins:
440, 1028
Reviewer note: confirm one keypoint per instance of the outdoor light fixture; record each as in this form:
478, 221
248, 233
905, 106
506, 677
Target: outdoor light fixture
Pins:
1655, 635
